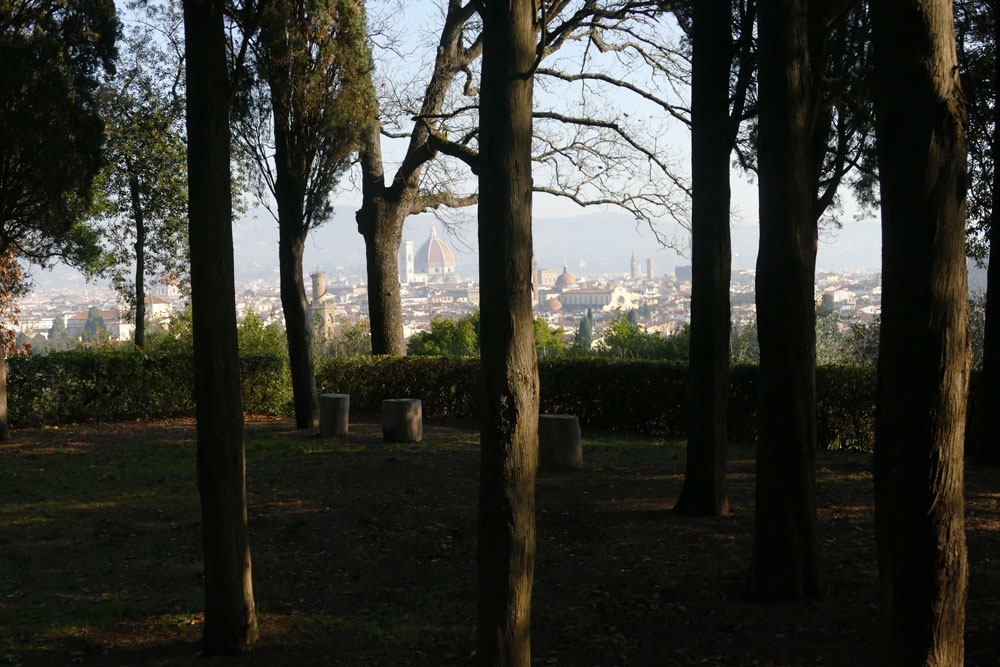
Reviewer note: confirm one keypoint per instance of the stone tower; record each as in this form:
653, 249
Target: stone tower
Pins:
319, 284
408, 262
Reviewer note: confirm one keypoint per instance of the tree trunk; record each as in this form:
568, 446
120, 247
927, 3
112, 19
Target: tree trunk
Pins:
380, 222
988, 451
140, 262
385, 208
785, 545
704, 490
289, 193
230, 617
509, 440
298, 329
4, 423
923, 368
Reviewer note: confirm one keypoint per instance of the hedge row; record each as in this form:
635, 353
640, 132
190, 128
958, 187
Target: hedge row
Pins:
635, 396
108, 384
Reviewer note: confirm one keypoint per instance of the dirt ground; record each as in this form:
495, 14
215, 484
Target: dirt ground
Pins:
364, 554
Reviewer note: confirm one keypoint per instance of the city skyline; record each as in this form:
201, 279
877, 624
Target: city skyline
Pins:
592, 242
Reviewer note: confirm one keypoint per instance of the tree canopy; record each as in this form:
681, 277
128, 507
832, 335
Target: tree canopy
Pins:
144, 184
52, 54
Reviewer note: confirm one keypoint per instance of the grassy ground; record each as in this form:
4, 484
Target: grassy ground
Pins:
364, 554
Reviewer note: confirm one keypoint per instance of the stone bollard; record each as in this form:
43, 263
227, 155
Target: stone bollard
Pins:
402, 420
334, 411
559, 446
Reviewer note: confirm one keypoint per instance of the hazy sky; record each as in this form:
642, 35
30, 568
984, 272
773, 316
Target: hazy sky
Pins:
588, 240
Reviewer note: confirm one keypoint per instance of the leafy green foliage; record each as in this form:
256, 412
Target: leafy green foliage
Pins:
624, 338
447, 338
301, 110
548, 342
94, 326
345, 339
144, 184
855, 346
460, 338
743, 345
974, 32
859, 346
647, 397
977, 327
52, 53
114, 382
176, 338
254, 337
584, 337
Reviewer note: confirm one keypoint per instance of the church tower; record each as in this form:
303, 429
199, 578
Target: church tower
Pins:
408, 262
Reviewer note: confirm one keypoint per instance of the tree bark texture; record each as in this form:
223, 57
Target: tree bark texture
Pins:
704, 490
988, 451
4, 423
380, 222
290, 195
785, 544
509, 433
923, 368
230, 617
140, 262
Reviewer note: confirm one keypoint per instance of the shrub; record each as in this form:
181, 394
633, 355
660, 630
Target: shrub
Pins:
649, 397
111, 383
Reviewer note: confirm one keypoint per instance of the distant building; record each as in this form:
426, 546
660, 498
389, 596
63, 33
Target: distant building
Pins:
321, 308
635, 268
117, 328
603, 299
431, 262
683, 273
547, 277
168, 291
566, 280
649, 268
157, 308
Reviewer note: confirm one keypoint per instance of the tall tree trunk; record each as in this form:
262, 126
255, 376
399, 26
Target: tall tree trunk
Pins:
704, 490
140, 261
298, 329
923, 368
785, 543
289, 191
4, 423
380, 222
383, 234
988, 450
385, 207
509, 433
230, 617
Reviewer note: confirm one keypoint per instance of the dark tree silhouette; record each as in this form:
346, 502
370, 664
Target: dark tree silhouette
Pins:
509, 440
230, 616
713, 136
313, 86
785, 547
52, 54
977, 31
923, 368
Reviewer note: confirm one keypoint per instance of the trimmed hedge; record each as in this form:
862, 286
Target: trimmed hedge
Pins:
107, 384
648, 397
